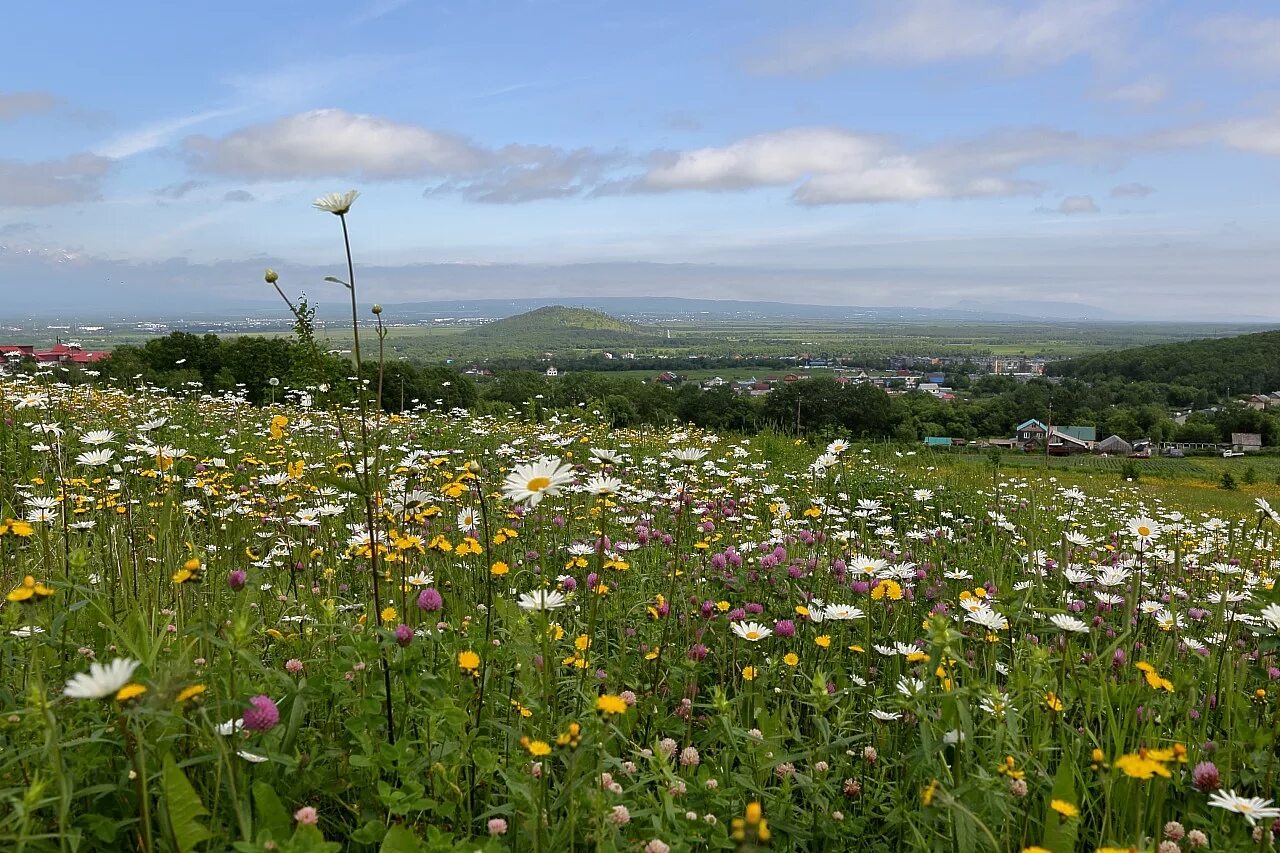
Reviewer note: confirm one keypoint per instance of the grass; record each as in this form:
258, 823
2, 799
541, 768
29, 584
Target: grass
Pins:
669, 640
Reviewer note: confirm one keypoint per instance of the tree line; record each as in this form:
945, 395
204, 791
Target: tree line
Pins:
263, 369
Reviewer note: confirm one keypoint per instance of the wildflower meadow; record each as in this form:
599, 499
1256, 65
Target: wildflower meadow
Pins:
322, 627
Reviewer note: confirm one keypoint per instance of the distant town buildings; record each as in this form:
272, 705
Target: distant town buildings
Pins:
59, 353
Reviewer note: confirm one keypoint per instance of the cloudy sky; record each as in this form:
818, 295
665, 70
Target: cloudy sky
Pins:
905, 152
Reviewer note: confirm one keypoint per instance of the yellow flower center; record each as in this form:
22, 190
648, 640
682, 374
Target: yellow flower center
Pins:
537, 484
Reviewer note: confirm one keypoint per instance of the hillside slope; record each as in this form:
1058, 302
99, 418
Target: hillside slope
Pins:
557, 328
1247, 364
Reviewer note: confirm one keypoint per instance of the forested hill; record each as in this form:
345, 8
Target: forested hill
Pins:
1248, 364
556, 328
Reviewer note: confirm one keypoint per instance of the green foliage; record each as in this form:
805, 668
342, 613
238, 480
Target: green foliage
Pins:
1245, 364
183, 807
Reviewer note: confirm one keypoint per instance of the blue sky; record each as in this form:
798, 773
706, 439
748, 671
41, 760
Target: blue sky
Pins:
923, 152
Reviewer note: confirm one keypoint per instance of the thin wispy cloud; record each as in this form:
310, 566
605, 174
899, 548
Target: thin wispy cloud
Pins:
922, 32
1245, 42
155, 135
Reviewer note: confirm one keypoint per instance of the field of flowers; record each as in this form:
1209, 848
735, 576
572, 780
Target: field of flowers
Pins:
551, 637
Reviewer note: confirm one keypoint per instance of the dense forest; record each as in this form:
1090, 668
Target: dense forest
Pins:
1247, 364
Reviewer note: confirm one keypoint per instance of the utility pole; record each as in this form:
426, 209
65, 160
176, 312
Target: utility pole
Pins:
1048, 433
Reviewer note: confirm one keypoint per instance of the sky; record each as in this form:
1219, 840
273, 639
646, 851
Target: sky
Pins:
1117, 153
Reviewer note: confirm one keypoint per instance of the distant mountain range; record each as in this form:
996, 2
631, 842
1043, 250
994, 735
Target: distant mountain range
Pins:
660, 309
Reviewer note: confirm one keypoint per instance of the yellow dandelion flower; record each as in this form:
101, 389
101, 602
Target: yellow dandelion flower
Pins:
1064, 808
608, 704
132, 690
189, 693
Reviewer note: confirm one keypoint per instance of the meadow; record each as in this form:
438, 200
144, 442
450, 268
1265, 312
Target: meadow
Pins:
233, 627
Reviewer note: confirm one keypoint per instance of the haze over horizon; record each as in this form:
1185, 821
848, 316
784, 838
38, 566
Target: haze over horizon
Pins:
932, 153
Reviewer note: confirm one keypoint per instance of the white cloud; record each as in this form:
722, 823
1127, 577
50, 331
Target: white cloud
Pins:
1146, 92
334, 143
781, 157
51, 182
921, 32
1242, 42
835, 166
1257, 135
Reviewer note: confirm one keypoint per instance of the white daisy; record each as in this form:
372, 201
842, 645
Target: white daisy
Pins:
336, 203
752, 631
1253, 808
531, 482
101, 680
541, 600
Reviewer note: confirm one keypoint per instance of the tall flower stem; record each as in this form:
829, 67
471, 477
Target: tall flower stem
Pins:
367, 481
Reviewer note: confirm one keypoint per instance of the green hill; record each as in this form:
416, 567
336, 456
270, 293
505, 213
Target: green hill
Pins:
557, 328
1247, 364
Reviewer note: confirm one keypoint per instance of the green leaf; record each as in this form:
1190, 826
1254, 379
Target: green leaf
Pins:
183, 806
400, 840
273, 820
1060, 834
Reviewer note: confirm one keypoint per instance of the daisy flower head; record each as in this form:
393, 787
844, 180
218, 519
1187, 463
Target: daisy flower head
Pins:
602, 486
467, 519
339, 204
1265, 507
1144, 529
751, 631
541, 600
101, 680
605, 456
96, 437
1253, 808
688, 455
95, 458
1069, 624
533, 481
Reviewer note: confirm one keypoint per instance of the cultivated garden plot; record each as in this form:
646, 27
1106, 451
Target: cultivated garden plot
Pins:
225, 628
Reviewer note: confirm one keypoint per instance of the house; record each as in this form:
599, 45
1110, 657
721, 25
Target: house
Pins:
1062, 443
1064, 440
1031, 430
1247, 442
1083, 433
667, 377
551, 371
60, 353
937, 441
